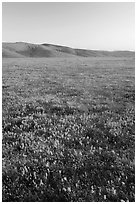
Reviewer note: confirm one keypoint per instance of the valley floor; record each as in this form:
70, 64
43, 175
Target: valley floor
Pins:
68, 129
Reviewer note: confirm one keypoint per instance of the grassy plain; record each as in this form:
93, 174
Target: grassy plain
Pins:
68, 129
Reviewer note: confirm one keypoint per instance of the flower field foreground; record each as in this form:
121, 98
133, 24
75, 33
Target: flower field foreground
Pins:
68, 130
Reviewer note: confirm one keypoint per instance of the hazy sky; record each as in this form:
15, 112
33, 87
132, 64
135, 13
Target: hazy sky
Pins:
106, 26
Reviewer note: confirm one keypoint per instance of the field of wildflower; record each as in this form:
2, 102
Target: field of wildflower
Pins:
68, 128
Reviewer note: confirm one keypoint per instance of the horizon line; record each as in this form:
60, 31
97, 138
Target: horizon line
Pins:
109, 50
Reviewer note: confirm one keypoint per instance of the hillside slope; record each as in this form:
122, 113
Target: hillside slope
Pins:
22, 49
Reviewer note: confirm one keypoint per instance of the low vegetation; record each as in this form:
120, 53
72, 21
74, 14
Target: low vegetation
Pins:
68, 130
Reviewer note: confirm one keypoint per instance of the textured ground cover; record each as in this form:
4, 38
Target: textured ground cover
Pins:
68, 129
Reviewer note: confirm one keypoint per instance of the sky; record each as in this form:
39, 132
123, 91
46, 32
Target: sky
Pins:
89, 25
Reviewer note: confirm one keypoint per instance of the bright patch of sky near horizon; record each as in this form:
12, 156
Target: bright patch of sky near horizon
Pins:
89, 25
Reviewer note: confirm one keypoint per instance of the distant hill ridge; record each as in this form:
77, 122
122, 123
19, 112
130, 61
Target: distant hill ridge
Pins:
23, 49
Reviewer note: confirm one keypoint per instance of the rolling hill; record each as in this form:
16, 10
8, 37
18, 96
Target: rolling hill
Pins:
23, 49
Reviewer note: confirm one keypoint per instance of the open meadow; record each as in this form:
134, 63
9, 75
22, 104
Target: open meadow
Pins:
68, 128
